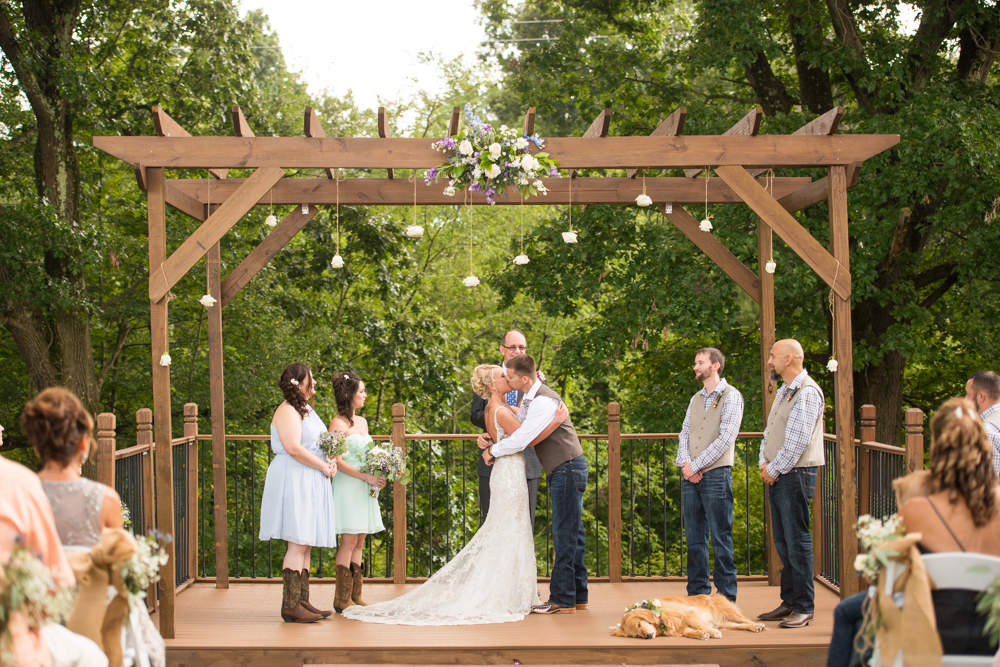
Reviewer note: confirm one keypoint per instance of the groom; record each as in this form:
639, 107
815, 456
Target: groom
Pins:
562, 458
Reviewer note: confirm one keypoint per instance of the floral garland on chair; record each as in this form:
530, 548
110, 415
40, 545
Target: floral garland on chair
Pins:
488, 160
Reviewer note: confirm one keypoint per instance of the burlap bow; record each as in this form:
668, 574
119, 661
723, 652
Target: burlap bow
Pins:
93, 616
913, 627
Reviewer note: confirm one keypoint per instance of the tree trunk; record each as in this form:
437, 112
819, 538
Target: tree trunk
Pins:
815, 92
767, 87
882, 386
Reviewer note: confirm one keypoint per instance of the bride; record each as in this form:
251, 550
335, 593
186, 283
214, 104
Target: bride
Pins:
493, 579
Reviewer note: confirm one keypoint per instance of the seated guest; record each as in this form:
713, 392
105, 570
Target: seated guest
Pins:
60, 428
959, 513
26, 522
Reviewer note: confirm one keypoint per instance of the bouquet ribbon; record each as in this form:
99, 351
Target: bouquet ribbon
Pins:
93, 616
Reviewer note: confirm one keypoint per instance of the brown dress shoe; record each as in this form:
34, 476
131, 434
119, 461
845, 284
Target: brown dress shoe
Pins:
796, 620
582, 605
552, 608
776, 615
304, 597
291, 609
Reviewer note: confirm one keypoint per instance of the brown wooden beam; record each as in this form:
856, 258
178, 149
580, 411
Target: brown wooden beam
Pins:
179, 199
718, 253
671, 127
773, 151
240, 125
822, 125
166, 274
788, 228
263, 253
165, 126
380, 191
598, 130
384, 131
313, 128
816, 191
454, 123
529, 122
768, 388
748, 126
217, 396
140, 175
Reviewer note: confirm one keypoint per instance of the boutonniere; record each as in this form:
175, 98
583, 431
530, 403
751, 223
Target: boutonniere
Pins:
792, 394
718, 397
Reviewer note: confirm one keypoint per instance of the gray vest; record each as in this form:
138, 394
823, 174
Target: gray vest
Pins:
993, 418
705, 426
777, 422
563, 445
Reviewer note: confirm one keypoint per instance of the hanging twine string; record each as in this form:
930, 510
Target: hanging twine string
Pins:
414, 179
833, 315
522, 223
769, 181
570, 203
708, 173
337, 209
469, 209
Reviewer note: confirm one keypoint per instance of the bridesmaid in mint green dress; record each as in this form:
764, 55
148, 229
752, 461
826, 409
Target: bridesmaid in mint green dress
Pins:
358, 514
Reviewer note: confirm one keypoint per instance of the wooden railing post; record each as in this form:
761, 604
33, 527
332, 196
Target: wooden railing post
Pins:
865, 459
191, 431
914, 440
105, 454
399, 499
144, 436
614, 492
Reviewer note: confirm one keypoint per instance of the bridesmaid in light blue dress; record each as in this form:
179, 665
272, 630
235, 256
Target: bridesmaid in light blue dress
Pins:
297, 504
358, 513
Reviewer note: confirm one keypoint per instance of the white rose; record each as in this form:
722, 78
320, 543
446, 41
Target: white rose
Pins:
706, 225
208, 301
643, 200
521, 259
376, 450
493, 171
465, 148
529, 163
770, 266
569, 237
471, 281
414, 231
832, 365
337, 262
495, 150
165, 360
521, 143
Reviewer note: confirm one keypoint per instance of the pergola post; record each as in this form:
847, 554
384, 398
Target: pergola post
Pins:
217, 393
399, 499
843, 383
765, 243
156, 194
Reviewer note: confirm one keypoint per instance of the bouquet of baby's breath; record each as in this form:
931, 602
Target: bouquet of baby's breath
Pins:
27, 588
872, 534
142, 569
332, 444
390, 464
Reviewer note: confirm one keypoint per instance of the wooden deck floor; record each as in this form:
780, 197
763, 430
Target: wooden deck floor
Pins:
241, 626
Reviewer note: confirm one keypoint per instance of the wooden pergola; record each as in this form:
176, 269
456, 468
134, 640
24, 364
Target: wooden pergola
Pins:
738, 157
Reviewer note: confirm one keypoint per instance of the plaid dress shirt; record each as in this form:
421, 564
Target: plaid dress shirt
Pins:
729, 429
993, 432
801, 422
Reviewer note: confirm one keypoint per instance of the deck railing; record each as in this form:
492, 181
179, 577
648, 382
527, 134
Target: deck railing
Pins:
633, 511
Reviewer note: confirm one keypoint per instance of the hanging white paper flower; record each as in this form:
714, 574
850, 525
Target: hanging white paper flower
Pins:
521, 259
414, 231
706, 225
165, 360
337, 262
770, 266
270, 220
208, 300
569, 237
832, 365
643, 200
471, 281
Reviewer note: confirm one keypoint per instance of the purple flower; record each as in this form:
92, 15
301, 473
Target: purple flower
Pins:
475, 188
487, 127
431, 175
448, 142
553, 172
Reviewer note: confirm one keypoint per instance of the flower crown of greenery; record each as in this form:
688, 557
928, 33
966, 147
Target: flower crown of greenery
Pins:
651, 605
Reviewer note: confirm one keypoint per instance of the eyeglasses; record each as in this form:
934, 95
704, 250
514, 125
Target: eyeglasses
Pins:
519, 348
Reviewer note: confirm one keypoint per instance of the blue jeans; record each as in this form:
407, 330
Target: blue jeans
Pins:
790, 498
708, 508
846, 622
567, 483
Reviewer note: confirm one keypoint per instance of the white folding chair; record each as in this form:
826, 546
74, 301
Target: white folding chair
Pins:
949, 570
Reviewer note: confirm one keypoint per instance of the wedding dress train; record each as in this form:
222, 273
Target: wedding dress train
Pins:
492, 580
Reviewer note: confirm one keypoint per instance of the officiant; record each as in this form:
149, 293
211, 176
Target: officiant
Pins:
513, 342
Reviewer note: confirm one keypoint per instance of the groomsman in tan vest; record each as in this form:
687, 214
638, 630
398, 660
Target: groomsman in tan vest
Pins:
983, 389
705, 454
791, 450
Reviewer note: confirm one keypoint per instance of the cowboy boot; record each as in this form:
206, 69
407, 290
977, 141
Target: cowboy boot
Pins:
358, 580
291, 610
304, 597
342, 598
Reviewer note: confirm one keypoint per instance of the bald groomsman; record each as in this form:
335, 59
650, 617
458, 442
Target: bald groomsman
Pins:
983, 389
791, 450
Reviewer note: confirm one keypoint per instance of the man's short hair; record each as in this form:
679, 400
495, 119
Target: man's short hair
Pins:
987, 382
715, 356
503, 339
521, 365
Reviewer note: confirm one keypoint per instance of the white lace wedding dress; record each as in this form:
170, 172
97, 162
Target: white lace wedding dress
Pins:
492, 580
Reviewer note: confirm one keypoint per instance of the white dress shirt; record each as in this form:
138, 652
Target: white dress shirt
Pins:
541, 410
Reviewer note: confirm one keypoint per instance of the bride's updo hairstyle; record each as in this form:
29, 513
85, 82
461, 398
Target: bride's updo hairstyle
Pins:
482, 378
345, 388
55, 422
295, 381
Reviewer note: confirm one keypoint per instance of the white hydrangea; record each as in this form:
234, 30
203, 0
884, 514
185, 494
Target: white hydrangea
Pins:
521, 143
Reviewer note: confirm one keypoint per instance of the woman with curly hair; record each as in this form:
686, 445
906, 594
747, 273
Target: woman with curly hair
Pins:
953, 505
297, 503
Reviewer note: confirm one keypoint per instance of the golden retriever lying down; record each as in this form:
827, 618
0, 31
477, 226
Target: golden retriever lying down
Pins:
695, 616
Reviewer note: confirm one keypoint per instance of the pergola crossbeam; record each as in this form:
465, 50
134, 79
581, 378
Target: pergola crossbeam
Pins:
748, 126
166, 275
240, 125
313, 128
671, 127
384, 131
822, 125
184, 202
165, 126
455, 122
528, 127
598, 130
816, 191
